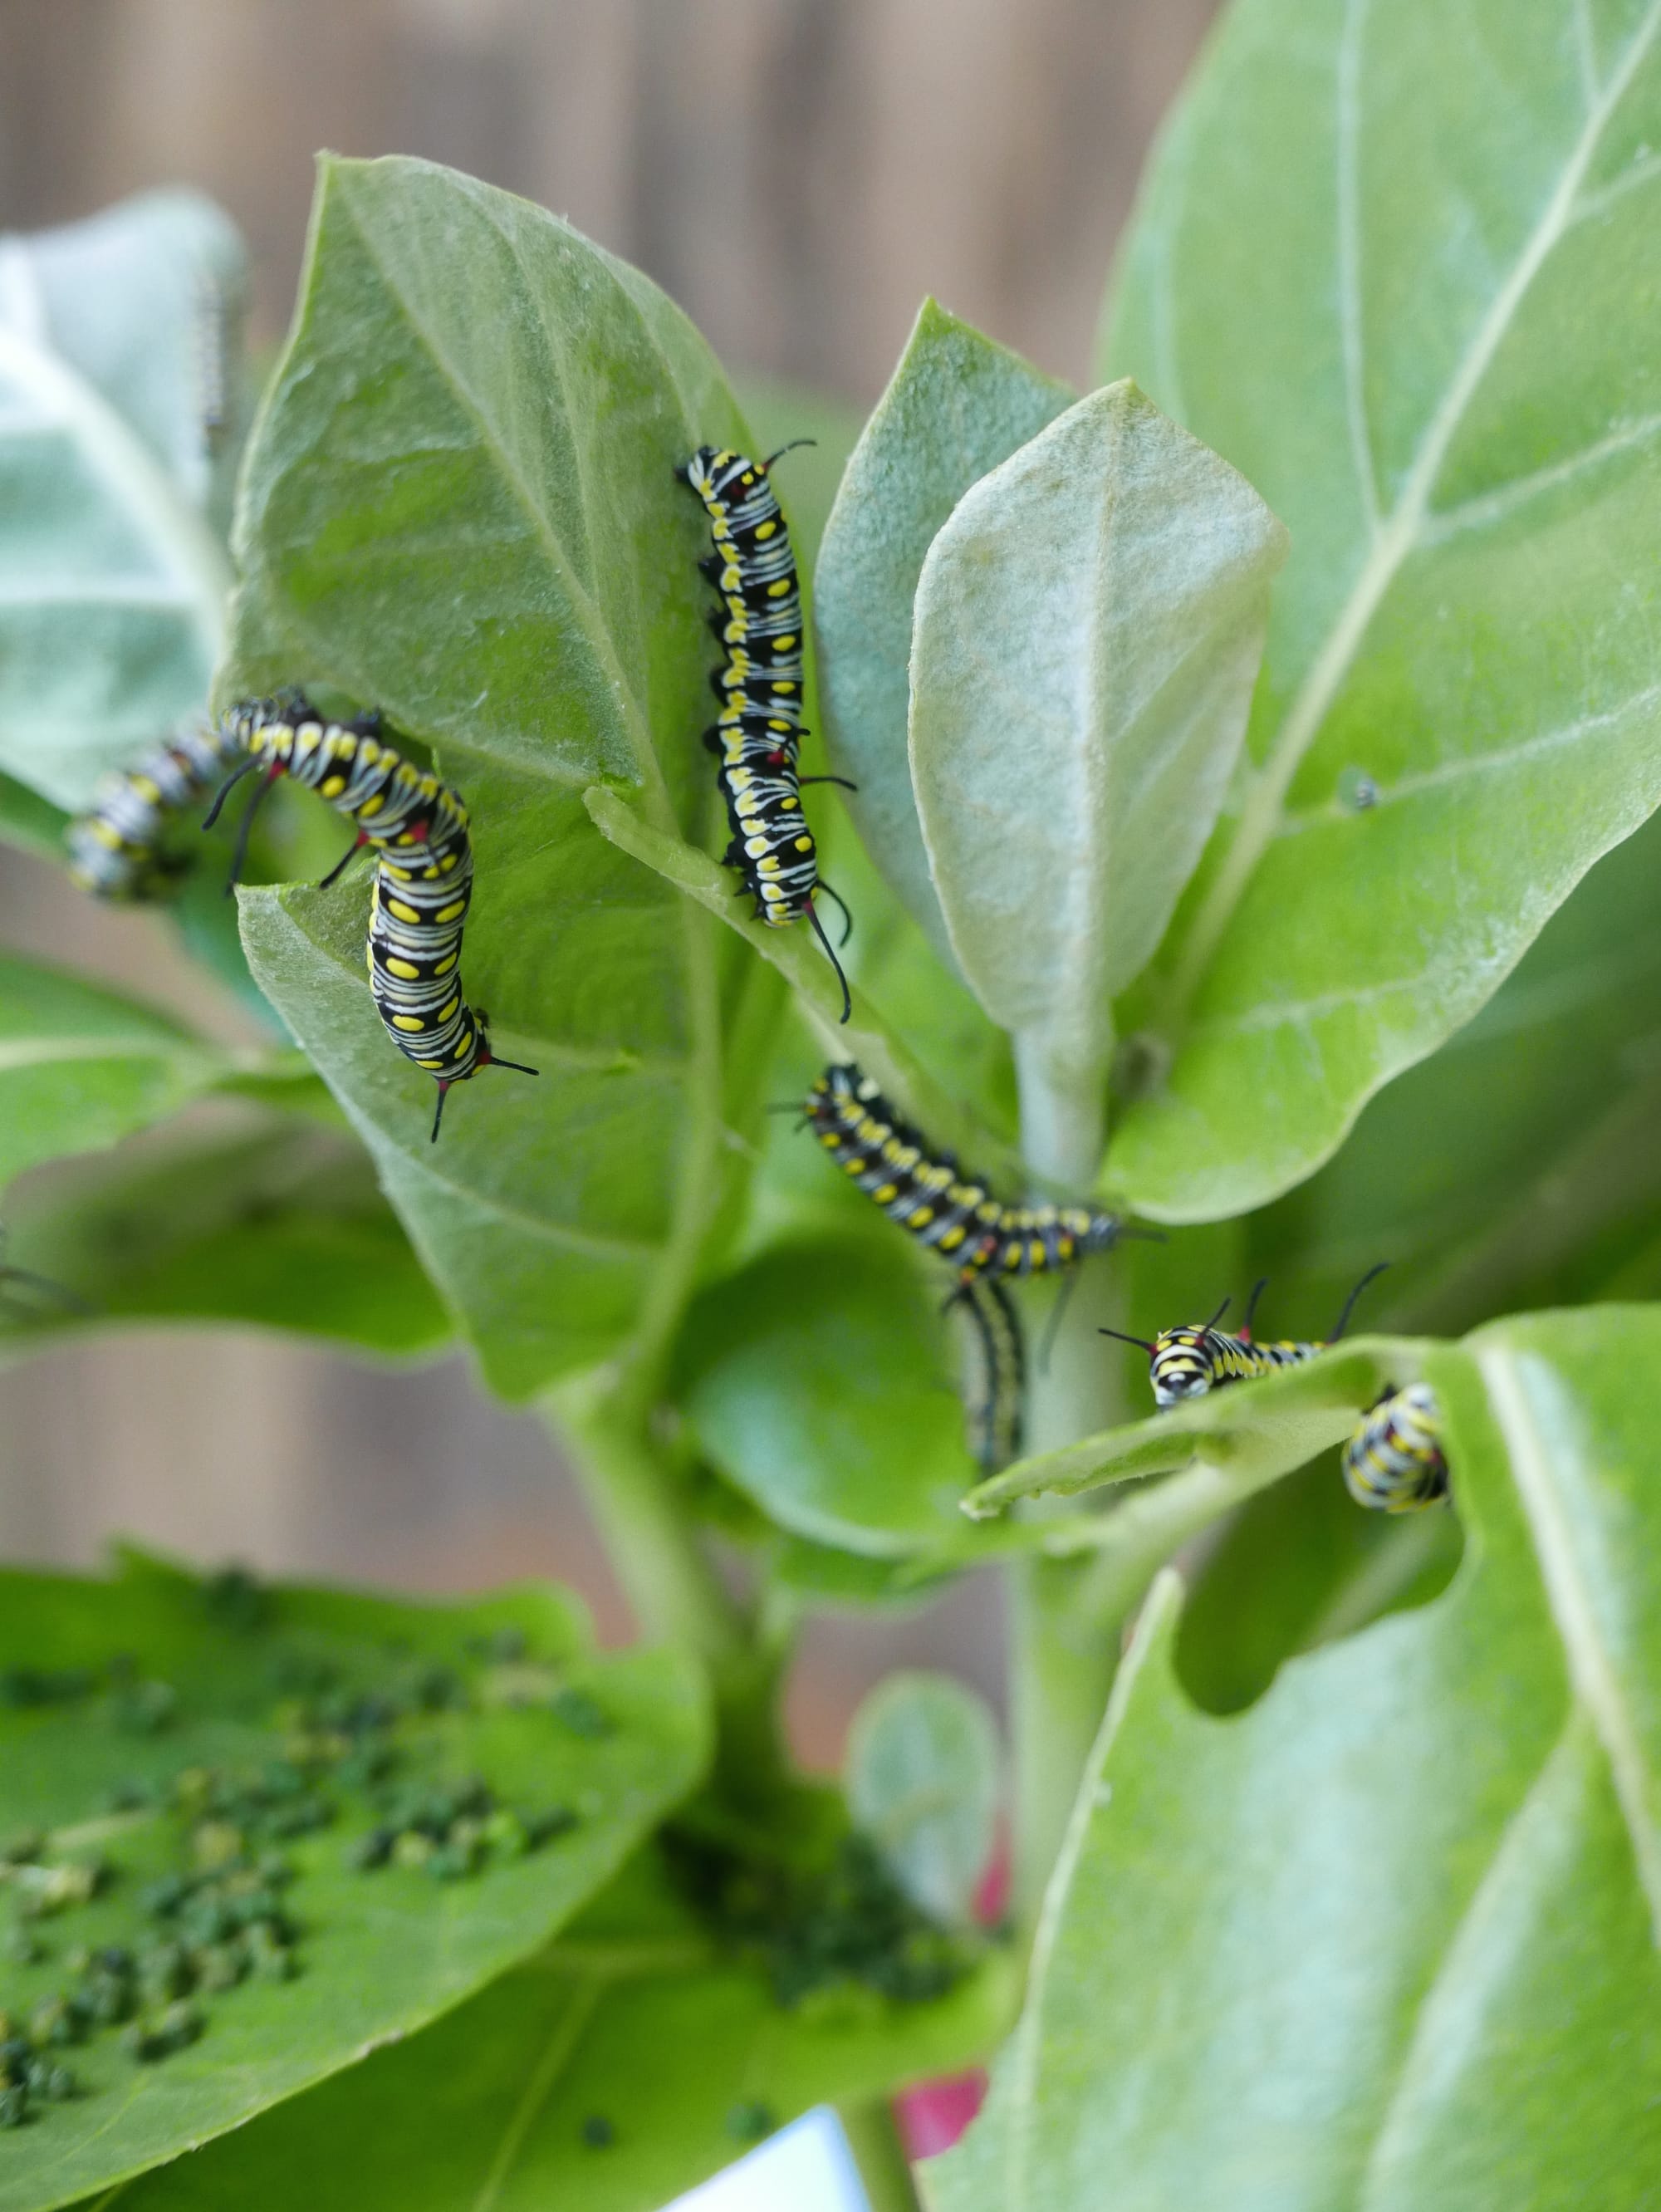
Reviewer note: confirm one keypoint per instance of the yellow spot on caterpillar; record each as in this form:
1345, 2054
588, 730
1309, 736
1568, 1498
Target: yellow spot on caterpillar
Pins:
412, 1022
332, 786
406, 971
401, 911
952, 1239
445, 1011
450, 913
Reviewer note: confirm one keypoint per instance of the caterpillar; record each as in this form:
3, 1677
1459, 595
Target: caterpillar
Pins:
1394, 1462
758, 732
1187, 1362
416, 825
996, 1421
115, 851
947, 1210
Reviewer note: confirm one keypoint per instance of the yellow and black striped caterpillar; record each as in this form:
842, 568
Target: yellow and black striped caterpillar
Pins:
416, 825
985, 1241
758, 730
1394, 1461
933, 1201
1187, 1362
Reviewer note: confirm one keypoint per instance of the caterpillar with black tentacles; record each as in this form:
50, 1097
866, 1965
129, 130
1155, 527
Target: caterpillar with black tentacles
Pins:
416, 825
1186, 1362
932, 1198
986, 1241
758, 732
1394, 1461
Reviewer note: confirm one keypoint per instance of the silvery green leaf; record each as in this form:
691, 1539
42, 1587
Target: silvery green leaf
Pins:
922, 1778
1088, 625
957, 406
112, 573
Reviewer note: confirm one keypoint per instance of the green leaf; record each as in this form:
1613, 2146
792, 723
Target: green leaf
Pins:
1252, 1432
459, 504
922, 1778
112, 578
1088, 624
881, 1048
284, 1229
489, 2107
29, 823
1422, 1967
81, 1066
1519, 1164
1297, 1566
1393, 264
821, 1383
253, 1676
956, 406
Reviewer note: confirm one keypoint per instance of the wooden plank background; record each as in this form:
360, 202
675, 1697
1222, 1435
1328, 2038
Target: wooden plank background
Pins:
798, 174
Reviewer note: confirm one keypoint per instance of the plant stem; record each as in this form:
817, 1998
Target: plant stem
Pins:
878, 2153
653, 1544
1063, 1656
656, 1549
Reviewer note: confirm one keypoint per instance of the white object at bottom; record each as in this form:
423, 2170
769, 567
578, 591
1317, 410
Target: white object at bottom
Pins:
805, 2168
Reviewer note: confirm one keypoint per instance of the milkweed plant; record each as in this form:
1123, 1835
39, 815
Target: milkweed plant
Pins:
1225, 796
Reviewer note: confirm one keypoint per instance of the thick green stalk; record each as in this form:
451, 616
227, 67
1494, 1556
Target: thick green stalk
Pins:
658, 1551
878, 2153
1063, 1656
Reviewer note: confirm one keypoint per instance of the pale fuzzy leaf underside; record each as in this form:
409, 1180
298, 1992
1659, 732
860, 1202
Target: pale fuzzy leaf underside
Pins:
1088, 624
922, 1775
956, 406
113, 576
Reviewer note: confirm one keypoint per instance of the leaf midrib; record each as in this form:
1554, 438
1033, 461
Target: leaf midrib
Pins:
1592, 1671
1260, 815
135, 481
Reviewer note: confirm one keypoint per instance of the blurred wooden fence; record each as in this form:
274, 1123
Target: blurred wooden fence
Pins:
798, 174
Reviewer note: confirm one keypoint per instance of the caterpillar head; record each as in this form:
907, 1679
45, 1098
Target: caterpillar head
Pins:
1180, 1364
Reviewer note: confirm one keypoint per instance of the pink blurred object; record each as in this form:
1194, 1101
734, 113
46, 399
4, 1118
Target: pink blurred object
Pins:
934, 2115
